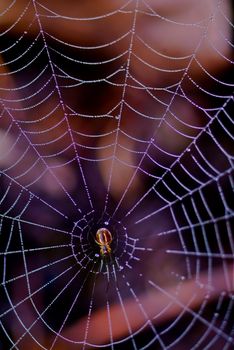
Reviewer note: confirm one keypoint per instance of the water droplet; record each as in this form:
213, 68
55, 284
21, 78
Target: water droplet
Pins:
106, 223
97, 255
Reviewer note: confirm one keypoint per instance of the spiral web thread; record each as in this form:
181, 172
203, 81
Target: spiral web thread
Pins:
170, 273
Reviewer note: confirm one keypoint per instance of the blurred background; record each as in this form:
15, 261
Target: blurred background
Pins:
116, 114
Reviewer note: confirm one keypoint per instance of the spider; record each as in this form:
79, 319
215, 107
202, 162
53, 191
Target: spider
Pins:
104, 239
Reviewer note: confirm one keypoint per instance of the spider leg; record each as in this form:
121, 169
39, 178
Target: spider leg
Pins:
108, 278
101, 265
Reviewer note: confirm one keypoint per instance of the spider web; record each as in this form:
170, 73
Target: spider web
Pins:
116, 115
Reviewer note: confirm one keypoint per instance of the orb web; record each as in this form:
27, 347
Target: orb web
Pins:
117, 116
